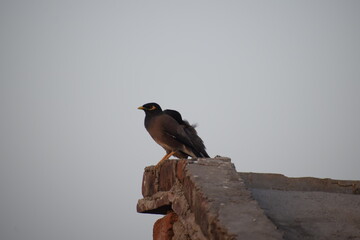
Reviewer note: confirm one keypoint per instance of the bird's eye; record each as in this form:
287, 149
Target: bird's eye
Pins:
152, 108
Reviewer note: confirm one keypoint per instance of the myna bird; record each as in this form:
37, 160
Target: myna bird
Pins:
174, 134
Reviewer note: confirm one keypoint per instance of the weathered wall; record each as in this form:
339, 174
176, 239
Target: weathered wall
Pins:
208, 198
308, 208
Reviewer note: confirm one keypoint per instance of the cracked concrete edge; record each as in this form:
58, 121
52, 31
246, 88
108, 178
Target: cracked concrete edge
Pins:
181, 207
221, 221
281, 182
158, 203
197, 203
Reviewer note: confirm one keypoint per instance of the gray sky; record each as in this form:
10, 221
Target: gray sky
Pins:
275, 85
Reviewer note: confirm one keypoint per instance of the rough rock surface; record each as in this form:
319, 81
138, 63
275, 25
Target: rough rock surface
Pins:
208, 199
308, 208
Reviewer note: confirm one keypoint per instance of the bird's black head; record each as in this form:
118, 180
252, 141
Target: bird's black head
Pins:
151, 108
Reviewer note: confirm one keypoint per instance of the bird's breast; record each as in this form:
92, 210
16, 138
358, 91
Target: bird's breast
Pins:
159, 128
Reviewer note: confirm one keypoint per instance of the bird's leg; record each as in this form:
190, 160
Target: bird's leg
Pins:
167, 156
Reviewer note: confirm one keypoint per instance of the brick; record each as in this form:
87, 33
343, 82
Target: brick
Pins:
167, 175
163, 227
149, 183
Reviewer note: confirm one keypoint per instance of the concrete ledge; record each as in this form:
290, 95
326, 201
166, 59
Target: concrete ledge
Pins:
308, 208
209, 199
280, 182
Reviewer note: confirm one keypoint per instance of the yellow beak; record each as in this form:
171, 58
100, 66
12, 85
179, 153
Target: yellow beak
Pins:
141, 108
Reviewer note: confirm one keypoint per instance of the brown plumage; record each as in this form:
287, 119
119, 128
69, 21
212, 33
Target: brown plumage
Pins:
174, 134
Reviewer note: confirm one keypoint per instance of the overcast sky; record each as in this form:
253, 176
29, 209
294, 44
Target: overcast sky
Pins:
274, 85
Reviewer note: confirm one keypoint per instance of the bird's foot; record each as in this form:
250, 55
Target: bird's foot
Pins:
166, 157
158, 165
